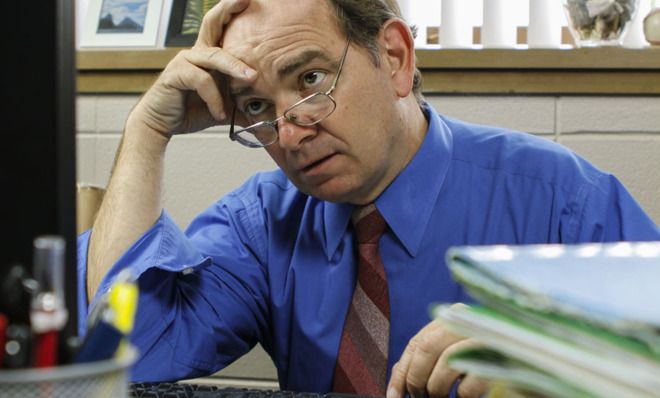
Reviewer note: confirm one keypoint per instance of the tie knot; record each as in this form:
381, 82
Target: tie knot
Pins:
369, 224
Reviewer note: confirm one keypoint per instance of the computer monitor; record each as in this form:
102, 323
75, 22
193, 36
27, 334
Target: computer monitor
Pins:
37, 140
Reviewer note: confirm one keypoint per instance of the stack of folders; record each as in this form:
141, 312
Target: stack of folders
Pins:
558, 320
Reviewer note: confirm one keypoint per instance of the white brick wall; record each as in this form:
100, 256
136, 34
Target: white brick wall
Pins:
609, 114
530, 114
618, 134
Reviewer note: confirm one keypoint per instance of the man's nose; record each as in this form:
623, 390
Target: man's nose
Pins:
293, 136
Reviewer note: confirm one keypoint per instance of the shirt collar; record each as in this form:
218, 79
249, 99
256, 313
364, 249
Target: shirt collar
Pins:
335, 219
405, 207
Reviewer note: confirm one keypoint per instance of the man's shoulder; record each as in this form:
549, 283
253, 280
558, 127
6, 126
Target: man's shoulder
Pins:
267, 189
273, 179
478, 141
269, 183
518, 153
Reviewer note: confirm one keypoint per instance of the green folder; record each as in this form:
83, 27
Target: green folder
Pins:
561, 320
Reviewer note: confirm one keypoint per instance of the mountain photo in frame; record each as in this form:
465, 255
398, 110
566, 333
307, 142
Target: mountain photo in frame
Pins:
121, 23
122, 17
185, 20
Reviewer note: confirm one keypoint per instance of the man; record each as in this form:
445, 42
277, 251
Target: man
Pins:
328, 88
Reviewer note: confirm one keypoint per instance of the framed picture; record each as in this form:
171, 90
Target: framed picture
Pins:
121, 23
185, 20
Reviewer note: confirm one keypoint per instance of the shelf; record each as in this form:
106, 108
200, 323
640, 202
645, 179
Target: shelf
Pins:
600, 71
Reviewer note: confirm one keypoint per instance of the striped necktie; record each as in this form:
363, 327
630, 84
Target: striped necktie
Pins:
362, 359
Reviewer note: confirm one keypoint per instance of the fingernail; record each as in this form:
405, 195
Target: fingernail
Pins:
250, 73
392, 393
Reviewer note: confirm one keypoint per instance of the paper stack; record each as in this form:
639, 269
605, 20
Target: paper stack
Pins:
560, 321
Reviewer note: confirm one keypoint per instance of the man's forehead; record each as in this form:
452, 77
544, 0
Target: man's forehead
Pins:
266, 21
278, 37
288, 67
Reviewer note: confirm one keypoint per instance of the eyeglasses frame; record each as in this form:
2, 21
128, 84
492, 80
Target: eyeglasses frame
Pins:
233, 135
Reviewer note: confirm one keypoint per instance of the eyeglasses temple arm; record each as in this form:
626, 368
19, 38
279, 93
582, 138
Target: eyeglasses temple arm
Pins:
341, 66
231, 127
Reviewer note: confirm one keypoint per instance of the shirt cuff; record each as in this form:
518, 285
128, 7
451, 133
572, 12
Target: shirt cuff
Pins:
163, 246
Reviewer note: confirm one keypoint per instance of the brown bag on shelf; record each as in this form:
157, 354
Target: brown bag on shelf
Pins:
88, 201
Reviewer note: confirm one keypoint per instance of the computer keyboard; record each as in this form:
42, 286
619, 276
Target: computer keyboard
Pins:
181, 390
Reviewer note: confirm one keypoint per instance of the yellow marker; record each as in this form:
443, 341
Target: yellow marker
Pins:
122, 300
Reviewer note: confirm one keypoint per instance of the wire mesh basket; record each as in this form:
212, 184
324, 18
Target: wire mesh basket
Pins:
95, 379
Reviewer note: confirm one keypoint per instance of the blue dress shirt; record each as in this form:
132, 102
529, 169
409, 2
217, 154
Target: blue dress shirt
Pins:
269, 264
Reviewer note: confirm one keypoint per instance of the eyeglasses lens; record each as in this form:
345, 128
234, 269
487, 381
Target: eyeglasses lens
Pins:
313, 110
261, 135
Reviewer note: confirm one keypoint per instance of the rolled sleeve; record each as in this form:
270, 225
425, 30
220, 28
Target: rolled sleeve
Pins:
163, 246
203, 293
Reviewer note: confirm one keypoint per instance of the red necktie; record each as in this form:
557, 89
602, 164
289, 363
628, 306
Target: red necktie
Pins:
362, 359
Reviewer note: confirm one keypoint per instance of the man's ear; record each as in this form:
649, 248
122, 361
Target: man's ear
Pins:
399, 51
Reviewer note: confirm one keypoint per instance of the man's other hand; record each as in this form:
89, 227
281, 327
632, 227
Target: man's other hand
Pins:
422, 370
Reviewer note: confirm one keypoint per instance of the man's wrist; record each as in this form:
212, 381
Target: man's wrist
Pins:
142, 135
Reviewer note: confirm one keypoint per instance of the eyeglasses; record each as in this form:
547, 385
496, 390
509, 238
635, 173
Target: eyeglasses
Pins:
308, 111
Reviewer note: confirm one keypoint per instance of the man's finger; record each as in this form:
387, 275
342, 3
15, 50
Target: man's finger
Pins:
207, 89
397, 385
213, 23
472, 387
215, 58
190, 77
430, 347
443, 377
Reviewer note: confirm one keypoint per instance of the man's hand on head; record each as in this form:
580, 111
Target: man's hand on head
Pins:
422, 370
187, 96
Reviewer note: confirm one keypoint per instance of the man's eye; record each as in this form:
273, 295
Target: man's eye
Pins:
255, 108
313, 79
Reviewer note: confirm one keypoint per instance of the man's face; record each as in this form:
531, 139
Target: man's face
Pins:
296, 47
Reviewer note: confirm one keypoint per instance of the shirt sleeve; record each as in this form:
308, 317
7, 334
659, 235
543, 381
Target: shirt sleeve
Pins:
609, 214
203, 293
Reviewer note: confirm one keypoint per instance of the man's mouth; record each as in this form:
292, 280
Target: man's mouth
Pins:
316, 165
